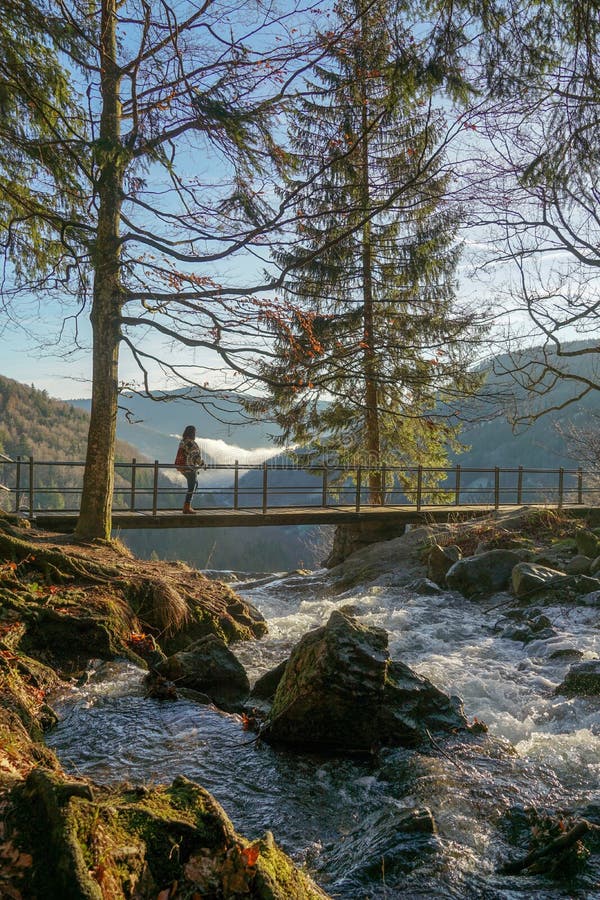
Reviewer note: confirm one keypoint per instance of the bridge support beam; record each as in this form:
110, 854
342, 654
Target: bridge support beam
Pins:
348, 539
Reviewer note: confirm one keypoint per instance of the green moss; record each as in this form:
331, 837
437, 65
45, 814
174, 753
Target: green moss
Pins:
278, 879
564, 544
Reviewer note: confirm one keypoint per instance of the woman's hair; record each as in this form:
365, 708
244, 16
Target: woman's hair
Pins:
189, 432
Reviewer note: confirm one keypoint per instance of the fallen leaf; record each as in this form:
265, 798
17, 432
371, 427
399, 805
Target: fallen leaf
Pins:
251, 855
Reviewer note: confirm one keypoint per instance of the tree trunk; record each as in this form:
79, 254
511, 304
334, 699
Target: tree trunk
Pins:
371, 393
96, 500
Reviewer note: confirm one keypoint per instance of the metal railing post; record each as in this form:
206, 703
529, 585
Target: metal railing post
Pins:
383, 484
520, 487
325, 485
155, 489
132, 500
18, 485
265, 488
31, 487
496, 487
236, 486
358, 488
580, 486
561, 486
457, 487
419, 487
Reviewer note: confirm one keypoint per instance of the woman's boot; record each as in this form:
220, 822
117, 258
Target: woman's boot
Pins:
187, 509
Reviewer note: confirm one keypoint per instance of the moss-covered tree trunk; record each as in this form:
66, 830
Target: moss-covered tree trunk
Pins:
96, 501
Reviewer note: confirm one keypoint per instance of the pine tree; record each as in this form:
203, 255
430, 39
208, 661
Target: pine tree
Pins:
374, 264
39, 115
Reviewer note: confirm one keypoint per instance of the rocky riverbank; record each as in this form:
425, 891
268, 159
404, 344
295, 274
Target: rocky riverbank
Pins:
338, 692
61, 604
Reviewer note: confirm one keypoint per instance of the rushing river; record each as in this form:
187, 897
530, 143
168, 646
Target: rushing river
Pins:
343, 818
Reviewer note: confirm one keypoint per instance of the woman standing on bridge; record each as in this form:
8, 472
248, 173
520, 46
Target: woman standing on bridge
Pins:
188, 461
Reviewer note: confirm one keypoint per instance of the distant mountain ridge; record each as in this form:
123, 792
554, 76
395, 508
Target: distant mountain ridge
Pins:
32, 423
493, 442
219, 416
539, 444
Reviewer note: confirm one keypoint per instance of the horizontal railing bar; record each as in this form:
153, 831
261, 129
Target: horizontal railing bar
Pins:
308, 468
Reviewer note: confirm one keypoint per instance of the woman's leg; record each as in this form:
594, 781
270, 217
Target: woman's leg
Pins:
192, 483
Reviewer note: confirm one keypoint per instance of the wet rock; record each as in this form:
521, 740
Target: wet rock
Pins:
351, 609
566, 653
595, 566
538, 629
267, 684
419, 820
424, 587
579, 565
584, 584
341, 692
588, 543
440, 560
528, 578
159, 688
582, 680
209, 666
482, 575
591, 599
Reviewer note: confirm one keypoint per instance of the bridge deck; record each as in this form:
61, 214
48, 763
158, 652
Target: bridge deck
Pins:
308, 515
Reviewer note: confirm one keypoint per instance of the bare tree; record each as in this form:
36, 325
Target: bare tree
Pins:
174, 152
536, 198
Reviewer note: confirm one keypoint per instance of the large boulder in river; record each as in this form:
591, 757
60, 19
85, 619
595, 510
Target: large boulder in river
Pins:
440, 560
341, 692
484, 574
529, 578
210, 667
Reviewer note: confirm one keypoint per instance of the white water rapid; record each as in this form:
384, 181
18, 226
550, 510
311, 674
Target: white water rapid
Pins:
343, 818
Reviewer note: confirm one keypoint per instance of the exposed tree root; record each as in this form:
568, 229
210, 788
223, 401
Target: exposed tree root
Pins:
541, 859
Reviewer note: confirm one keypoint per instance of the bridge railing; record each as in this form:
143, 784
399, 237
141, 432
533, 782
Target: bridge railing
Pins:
154, 487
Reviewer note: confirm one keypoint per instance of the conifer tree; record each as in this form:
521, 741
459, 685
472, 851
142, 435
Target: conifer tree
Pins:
381, 339
39, 114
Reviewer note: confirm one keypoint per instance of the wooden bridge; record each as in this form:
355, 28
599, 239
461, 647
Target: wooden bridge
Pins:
149, 494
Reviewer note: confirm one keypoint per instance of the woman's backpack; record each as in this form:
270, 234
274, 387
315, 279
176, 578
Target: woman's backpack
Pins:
180, 461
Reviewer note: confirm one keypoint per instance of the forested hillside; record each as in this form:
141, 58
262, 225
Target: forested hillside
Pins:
34, 424
543, 442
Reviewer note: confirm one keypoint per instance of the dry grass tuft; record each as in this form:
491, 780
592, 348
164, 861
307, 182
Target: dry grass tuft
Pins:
160, 605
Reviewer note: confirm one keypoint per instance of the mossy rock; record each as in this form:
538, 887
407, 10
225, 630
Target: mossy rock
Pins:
210, 667
23, 686
582, 680
341, 692
89, 845
588, 543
